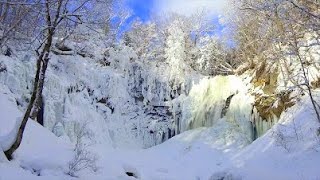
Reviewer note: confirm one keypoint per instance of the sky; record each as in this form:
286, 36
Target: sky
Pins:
145, 9
187, 7
142, 9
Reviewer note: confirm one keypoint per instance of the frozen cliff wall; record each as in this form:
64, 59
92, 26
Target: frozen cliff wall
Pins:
120, 110
129, 102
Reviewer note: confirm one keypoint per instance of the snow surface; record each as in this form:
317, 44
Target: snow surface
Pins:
10, 117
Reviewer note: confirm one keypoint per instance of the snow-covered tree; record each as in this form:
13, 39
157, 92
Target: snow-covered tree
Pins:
213, 59
144, 39
175, 49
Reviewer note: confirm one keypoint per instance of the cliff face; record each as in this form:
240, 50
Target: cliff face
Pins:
131, 105
130, 102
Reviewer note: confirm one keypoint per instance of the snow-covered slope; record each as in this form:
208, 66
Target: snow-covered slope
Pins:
290, 150
40, 153
10, 119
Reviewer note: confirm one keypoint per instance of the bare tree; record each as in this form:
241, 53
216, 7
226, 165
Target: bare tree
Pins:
83, 159
14, 16
296, 49
52, 21
274, 30
53, 14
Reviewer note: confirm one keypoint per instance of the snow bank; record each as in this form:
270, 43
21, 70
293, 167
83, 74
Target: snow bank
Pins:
10, 119
290, 150
40, 150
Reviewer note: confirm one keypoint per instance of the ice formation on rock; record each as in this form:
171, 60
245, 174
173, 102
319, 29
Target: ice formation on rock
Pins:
128, 102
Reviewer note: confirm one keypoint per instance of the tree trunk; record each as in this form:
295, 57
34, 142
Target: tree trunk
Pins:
41, 112
42, 64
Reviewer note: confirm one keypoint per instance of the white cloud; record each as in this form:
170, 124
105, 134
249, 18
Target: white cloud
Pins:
188, 7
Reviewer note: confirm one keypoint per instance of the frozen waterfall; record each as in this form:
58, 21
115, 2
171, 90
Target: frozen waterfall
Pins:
219, 99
